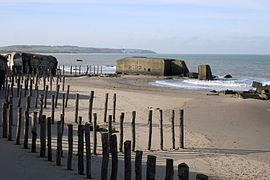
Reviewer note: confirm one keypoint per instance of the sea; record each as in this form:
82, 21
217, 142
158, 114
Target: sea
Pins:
244, 68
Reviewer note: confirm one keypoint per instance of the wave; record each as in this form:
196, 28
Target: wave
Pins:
219, 84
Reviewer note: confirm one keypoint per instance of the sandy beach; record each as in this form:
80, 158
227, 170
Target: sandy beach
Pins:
225, 137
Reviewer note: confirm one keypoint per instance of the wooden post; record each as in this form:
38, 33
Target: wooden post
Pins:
121, 133
80, 69
46, 96
28, 102
63, 84
183, 171
59, 143
31, 87
75, 70
151, 167
138, 165
52, 113
114, 106
20, 97
70, 146
26, 129
41, 106
201, 177
169, 169
44, 82
91, 98
172, 129
63, 105
95, 134
19, 125
10, 121
80, 149
106, 107
88, 150
4, 119
34, 131
18, 85
113, 148
56, 96
181, 128
77, 108
127, 151
49, 137
133, 130
161, 129
150, 129
109, 129
51, 85
25, 87
66, 103
36, 102
70, 69
63, 70
105, 156
43, 136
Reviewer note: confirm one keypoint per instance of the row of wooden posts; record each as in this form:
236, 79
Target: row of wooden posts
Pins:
109, 140
77, 70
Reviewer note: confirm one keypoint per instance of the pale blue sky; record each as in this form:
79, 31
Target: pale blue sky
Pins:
165, 26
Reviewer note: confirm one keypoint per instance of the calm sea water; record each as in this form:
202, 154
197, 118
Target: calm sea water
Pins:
244, 68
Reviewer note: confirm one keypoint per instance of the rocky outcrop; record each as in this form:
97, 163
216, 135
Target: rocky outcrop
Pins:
205, 72
193, 75
32, 63
228, 76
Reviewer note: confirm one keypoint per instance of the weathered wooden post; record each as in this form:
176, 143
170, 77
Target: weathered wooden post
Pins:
181, 128
20, 97
183, 171
66, 103
41, 106
75, 70
49, 138
19, 125
10, 121
91, 98
201, 177
25, 87
95, 134
63, 105
105, 156
44, 83
151, 167
4, 119
51, 84
161, 129
80, 67
36, 102
133, 130
121, 133
113, 148
34, 131
70, 146
70, 69
88, 150
109, 129
28, 102
46, 96
42, 136
127, 151
31, 87
18, 85
172, 129
59, 143
26, 129
77, 108
169, 169
138, 165
63, 83
106, 107
52, 113
80, 149
114, 106
57, 94
150, 129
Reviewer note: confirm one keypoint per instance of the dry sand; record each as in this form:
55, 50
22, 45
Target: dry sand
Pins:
225, 137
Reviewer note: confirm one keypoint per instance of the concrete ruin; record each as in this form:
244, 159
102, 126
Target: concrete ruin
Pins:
205, 72
151, 66
32, 63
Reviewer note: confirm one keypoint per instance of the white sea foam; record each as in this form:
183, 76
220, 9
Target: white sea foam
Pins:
218, 84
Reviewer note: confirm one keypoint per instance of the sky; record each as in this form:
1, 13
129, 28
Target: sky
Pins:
164, 26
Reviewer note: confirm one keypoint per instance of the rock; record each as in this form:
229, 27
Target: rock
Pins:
265, 95
193, 75
245, 95
205, 72
228, 76
256, 84
261, 88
